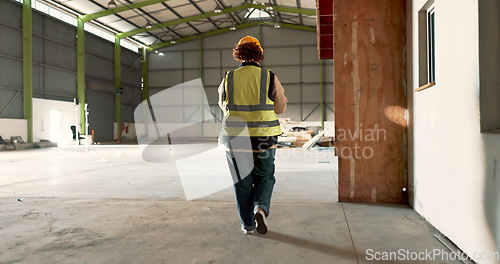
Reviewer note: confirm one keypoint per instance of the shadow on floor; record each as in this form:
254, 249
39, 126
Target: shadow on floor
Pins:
325, 248
308, 244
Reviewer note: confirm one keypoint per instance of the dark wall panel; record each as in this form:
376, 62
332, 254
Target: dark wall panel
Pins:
11, 73
102, 115
489, 64
11, 41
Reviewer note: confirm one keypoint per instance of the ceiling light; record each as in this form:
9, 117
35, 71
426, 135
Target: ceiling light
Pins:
156, 51
149, 25
277, 25
233, 27
111, 4
161, 54
173, 41
269, 7
218, 9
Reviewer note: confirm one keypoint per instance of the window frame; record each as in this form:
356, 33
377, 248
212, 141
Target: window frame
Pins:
431, 45
427, 46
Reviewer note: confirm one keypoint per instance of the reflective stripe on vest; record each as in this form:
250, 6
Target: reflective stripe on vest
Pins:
257, 115
252, 124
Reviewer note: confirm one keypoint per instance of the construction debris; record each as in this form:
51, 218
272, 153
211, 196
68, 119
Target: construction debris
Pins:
313, 140
17, 143
296, 134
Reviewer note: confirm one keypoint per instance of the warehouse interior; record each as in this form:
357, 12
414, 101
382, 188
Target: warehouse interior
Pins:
109, 128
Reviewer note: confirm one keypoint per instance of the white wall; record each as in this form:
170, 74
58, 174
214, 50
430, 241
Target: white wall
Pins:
455, 176
41, 120
13, 127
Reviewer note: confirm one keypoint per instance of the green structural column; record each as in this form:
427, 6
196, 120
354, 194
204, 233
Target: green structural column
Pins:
145, 92
118, 86
260, 33
322, 94
202, 112
80, 67
28, 67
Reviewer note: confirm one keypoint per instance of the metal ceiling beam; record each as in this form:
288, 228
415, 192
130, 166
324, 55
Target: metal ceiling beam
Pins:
291, 19
180, 21
285, 9
275, 4
299, 5
228, 14
201, 11
88, 17
294, 26
119, 16
211, 33
177, 14
149, 15
211, 14
224, 30
111, 11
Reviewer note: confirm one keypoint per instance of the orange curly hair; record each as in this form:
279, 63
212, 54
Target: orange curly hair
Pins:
248, 51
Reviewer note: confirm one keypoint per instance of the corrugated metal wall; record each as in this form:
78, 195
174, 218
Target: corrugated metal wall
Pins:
101, 114
131, 83
54, 59
11, 64
291, 54
54, 69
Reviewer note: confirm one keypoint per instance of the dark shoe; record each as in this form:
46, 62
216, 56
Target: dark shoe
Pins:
260, 217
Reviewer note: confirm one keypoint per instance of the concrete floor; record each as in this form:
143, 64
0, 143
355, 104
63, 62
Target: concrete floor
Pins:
109, 205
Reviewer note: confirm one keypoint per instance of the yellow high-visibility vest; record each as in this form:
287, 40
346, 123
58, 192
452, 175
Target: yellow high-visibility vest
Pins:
250, 110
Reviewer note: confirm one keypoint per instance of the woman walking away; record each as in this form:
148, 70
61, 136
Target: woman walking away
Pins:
250, 98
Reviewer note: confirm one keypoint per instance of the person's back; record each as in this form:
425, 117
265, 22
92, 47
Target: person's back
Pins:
250, 98
249, 106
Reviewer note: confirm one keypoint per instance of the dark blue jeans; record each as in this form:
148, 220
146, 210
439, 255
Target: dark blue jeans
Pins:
253, 182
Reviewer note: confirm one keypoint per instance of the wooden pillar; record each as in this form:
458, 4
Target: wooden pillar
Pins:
370, 100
